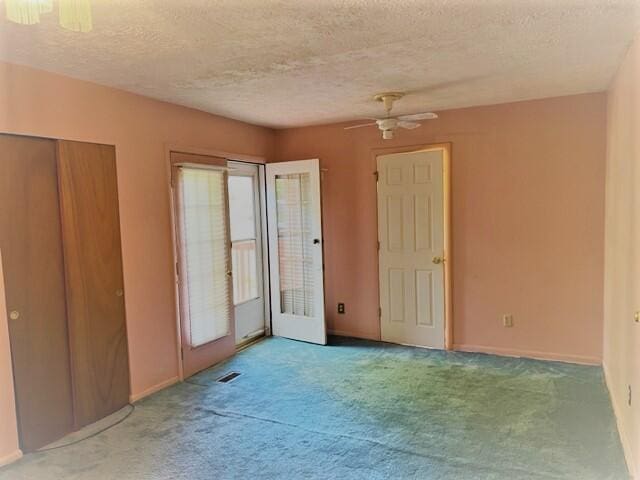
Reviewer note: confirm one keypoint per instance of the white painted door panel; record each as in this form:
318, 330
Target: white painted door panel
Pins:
295, 250
411, 236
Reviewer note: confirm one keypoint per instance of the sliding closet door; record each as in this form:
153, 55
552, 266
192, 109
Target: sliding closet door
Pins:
93, 260
34, 287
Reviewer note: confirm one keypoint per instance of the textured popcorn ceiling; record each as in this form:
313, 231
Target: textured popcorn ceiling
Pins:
297, 62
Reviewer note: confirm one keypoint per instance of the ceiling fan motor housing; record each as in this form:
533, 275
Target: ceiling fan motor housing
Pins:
387, 125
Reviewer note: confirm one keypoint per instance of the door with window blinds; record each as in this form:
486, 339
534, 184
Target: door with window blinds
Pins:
295, 250
204, 260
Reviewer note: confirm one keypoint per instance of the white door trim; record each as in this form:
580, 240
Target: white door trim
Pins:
266, 282
253, 170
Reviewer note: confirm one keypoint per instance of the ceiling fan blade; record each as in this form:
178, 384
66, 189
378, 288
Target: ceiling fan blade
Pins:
361, 125
418, 116
408, 125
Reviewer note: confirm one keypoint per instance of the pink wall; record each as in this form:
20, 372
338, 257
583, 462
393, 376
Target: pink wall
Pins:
37, 103
527, 214
622, 252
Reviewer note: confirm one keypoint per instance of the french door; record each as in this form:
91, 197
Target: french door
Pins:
295, 250
204, 260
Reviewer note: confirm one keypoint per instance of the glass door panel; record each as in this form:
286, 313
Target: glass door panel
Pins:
294, 241
243, 238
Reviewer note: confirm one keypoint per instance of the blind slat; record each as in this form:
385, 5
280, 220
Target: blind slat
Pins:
203, 243
294, 238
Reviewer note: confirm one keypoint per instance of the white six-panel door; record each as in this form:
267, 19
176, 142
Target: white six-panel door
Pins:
411, 255
295, 250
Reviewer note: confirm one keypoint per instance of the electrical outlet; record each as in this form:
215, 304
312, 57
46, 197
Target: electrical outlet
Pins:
629, 399
507, 320
341, 308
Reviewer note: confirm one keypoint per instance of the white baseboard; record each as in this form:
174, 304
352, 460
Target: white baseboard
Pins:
622, 428
156, 388
509, 352
12, 457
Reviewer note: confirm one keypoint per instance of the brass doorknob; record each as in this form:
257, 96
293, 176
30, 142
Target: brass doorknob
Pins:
229, 273
119, 292
437, 260
14, 314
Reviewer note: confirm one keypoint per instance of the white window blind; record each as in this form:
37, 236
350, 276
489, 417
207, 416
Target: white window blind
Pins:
295, 243
204, 246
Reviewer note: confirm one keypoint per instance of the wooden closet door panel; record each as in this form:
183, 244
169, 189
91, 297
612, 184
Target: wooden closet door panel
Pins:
93, 260
34, 287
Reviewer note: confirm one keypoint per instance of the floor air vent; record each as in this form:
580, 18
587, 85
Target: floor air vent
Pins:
227, 377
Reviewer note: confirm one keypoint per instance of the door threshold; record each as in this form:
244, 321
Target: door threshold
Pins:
250, 341
426, 347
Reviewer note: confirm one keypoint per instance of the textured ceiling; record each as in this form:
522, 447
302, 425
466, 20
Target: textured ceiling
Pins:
299, 62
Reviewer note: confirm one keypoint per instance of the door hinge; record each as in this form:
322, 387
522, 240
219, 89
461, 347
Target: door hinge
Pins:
177, 270
182, 353
379, 312
378, 245
377, 175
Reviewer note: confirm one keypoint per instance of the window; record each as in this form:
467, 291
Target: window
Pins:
243, 238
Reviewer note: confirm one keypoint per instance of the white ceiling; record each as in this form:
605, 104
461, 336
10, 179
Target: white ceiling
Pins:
298, 62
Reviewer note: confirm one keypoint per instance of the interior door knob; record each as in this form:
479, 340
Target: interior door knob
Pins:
437, 260
316, 241
119, 292
14, 314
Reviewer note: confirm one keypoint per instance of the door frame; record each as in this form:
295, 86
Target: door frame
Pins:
448, 252
261, 243
207, 152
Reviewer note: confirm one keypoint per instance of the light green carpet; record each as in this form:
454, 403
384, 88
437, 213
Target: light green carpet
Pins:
358, 410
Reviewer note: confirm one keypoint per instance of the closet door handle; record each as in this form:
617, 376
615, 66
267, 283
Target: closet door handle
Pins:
119, 292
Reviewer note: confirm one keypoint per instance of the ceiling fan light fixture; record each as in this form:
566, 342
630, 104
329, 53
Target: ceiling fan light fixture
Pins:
388, 124
27, 12
75, 15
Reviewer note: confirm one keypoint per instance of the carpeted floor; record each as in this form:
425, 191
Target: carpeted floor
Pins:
357, 410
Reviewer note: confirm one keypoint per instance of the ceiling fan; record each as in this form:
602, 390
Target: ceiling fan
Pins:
388, 124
